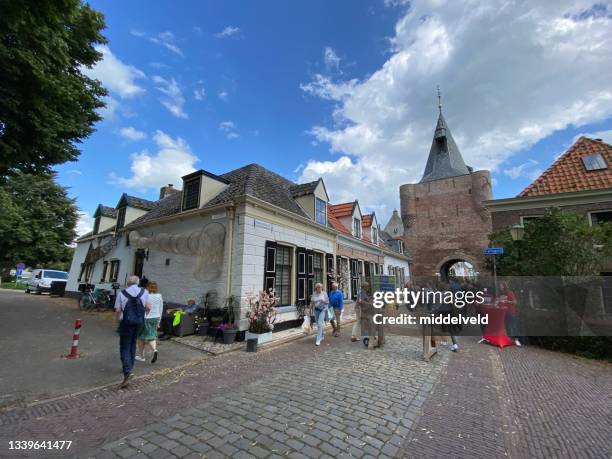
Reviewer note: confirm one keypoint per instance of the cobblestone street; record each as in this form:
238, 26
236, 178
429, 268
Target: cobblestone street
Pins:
341, 400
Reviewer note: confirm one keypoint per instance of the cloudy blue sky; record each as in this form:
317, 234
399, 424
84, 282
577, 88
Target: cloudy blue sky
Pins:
341, 89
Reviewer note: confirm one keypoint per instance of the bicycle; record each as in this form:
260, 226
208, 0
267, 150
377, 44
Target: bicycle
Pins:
96, 299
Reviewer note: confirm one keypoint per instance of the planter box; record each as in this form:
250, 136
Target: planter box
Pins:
261, 337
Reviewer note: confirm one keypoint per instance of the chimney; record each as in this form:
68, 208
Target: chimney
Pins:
166, 190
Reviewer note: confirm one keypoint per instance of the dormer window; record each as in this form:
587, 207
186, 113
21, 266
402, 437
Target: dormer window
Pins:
121, 217
357, 228
320, 211
191, 194
401, 246
594, 162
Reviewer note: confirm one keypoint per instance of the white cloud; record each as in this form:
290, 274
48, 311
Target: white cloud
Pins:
228, 32
223, 95
137, 33
332, 61
167, 40
511, 75
172, 160
199, 93
131, 133
117, 77
74, 172
173, 99
525, 170
229, 129
606, 136
84, 223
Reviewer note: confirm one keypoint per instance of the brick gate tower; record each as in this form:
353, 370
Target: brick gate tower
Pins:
445, 220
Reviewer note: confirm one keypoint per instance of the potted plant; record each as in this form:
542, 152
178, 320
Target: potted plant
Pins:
261, 315
229, 326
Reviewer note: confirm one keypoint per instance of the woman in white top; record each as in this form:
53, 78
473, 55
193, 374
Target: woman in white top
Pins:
319, 303
148, 334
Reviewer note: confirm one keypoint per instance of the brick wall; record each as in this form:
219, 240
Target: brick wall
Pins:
507, 218
445, 220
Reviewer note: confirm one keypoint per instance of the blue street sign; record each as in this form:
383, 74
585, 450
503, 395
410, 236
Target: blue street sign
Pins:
494, 251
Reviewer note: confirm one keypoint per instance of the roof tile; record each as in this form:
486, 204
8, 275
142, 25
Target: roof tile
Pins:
568, 174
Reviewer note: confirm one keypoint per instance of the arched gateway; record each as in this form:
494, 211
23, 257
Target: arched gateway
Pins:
444, 217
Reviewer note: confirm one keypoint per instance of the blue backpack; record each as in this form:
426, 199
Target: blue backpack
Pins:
134, 310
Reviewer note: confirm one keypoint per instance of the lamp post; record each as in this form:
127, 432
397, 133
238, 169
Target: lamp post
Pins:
518, 232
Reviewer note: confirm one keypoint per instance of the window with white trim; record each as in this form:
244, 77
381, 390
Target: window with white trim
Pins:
320, 211
357, 228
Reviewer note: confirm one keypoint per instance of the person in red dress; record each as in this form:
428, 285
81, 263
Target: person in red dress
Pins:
507, 299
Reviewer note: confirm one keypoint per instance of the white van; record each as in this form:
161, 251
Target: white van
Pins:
42, 280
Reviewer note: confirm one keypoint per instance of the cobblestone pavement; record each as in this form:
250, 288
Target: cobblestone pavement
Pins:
516, 402
342, 402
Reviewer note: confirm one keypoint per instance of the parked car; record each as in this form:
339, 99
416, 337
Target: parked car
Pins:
47, 280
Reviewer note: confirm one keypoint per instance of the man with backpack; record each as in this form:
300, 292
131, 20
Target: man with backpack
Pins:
130, 307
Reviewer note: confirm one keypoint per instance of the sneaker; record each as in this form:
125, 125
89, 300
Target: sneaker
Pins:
454, 347
517, 342
154, 359
140, 358
353, 339
318, 343
126, 379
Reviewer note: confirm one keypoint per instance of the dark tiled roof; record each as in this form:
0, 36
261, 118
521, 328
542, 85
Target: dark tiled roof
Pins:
304, 189
252, 180
138, 203
445, 159
568, 173
105, 211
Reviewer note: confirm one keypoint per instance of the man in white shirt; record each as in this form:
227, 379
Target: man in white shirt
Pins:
129, 333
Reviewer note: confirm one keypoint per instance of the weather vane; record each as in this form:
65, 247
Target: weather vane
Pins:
439, 99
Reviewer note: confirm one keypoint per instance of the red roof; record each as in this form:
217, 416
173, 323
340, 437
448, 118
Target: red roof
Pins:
334, 222
568, 173
342, 210
366, 220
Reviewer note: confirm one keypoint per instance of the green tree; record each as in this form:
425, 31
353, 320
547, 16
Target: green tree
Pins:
47, 105
37, 224
559, 243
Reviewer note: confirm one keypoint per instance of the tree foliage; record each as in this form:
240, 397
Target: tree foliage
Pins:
47, 105
559, 243
37, 224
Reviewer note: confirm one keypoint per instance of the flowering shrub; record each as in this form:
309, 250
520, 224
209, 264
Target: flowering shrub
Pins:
262, 312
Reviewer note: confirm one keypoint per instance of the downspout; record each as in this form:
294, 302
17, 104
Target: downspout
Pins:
228, 287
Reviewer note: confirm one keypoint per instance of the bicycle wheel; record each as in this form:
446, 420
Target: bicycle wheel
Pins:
85, 302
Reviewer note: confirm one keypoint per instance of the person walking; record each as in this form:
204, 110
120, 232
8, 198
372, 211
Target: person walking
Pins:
336, 302
148, 334
319, 303
130, 308
507, 299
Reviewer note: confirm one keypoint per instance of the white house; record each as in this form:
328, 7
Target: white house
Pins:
233, 234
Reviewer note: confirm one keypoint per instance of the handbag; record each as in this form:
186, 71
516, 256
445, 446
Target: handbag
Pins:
330, 314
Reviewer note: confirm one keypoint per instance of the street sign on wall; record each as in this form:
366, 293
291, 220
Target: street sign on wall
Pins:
493, 250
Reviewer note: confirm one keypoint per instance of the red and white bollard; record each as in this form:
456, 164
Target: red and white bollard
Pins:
75, 340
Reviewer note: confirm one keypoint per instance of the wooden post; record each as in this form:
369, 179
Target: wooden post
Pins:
429, 342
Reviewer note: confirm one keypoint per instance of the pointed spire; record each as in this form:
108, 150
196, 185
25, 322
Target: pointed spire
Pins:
445, 159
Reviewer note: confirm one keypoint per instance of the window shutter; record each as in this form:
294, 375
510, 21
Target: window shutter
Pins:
301, 256
329, 260
270, 266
